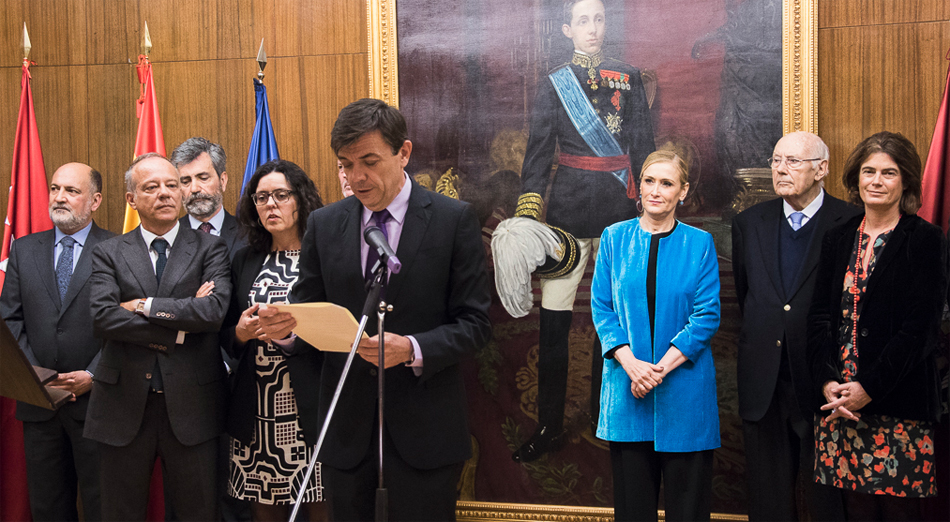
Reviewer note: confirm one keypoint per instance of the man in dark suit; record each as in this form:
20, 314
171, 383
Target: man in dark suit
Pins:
201, 167
775, 249
159, 294
203, 176
591, 115
440, 305
45, 302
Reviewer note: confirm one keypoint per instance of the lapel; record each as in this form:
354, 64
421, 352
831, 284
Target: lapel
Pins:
249, 273
768, 243
350, 251
828, 216
137, 258
229, 231
891, 249
44, 264
413, 232
83, 267
179, 261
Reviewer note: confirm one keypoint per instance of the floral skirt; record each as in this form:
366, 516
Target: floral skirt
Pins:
878, 455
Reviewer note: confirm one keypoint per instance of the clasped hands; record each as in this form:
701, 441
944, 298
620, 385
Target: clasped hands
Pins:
269, 324
844, 400
643, 376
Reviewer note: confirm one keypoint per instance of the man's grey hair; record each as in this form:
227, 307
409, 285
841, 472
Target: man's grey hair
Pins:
129, 181
191, 148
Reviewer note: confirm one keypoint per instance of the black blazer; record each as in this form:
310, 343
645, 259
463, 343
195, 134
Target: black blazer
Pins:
900, 318
441, 297
230, 233
193, 373
55, 334
769, 317
304, 367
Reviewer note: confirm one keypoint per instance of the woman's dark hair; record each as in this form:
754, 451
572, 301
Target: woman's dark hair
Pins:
902, 151
304, 191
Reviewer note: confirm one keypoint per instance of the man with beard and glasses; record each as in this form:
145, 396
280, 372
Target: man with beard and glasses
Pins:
45, 302
203, 180
201, 166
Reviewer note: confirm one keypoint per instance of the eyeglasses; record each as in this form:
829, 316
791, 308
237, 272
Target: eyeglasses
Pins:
793, 163
280, 196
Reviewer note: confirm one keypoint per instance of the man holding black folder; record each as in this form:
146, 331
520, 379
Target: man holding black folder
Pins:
440, 302
45, 302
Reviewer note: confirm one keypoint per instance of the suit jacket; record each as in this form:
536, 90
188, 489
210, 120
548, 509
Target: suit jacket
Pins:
54, 333
193, 373
441, 297
304, 367
899, 322
769, 317
230, 233
584, 202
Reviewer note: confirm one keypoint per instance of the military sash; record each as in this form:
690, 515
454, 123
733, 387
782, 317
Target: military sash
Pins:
585, 119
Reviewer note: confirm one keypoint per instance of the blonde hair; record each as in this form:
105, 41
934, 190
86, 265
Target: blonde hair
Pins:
667, 156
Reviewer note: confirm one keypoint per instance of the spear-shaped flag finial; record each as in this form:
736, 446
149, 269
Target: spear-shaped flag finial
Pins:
146, 41
27, 46
261, 61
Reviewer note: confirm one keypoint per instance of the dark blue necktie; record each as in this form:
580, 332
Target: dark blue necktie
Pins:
379, 218
159, 245
64, 267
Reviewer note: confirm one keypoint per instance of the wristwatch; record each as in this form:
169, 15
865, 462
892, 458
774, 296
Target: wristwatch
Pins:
140, 307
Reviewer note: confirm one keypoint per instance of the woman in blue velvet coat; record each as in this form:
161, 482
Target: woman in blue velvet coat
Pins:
655, 300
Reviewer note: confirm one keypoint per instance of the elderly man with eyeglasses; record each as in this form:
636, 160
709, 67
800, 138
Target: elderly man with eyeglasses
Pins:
775, 248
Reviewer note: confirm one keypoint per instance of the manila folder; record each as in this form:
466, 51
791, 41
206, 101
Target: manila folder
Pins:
327, 327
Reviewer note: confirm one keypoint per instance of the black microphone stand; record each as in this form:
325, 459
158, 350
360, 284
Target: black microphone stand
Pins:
373, 302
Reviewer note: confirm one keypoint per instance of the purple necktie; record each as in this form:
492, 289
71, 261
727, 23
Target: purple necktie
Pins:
379, 218
206, 227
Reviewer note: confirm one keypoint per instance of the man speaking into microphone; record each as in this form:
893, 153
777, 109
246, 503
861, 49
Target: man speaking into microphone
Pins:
440, 300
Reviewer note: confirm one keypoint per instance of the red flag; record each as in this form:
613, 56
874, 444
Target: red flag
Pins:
149, 136
935, 205
27, 212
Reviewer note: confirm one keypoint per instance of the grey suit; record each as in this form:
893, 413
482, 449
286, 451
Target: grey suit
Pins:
56, 334
181, 424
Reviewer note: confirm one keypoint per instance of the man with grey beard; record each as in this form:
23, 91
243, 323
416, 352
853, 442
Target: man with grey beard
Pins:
203, 180
45, 302
201, 167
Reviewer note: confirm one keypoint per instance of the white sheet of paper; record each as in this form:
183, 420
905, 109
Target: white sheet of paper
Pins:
327, 327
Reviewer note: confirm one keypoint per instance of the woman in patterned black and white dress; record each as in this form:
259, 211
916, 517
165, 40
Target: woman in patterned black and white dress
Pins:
273, 426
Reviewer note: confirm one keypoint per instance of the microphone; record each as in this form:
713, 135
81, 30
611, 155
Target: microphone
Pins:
375, 239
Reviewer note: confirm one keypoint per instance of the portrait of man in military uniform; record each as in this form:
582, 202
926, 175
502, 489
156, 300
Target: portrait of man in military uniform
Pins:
591, 118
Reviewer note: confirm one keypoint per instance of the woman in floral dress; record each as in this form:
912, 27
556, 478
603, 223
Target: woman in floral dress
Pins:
872, 338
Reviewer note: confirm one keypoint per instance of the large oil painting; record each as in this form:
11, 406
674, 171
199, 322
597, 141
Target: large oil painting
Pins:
721, 80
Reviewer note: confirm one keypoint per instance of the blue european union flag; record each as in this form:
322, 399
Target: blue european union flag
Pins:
263, 144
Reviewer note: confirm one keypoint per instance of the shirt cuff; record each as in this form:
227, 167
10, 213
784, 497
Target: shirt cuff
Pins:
416, 364
148, 306
181, 337
286, 344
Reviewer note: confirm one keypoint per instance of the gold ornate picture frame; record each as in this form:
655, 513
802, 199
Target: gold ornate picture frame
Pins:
799, 112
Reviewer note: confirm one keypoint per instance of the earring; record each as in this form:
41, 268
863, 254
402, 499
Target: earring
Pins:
640, 205
682, 202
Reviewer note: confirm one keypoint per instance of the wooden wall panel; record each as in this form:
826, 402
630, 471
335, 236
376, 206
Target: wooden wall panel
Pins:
845, 13
881, 67
85, 83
